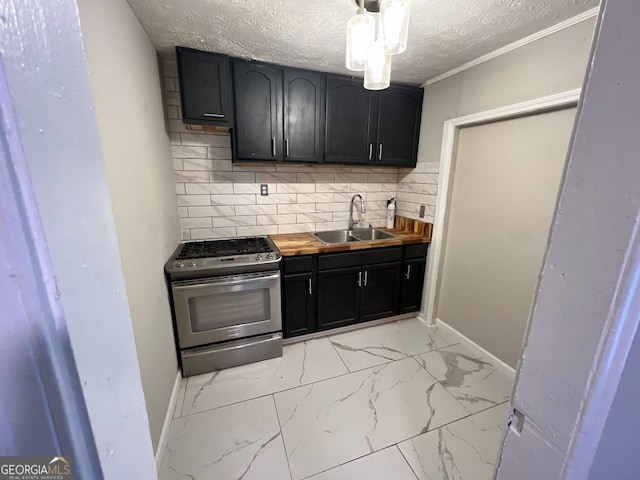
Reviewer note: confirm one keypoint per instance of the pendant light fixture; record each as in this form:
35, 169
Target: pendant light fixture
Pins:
360, 35
378, 30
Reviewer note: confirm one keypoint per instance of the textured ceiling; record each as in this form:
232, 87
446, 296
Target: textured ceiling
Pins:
443, 34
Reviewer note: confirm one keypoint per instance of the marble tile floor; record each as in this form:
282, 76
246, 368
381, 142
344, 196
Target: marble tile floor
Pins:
395, 401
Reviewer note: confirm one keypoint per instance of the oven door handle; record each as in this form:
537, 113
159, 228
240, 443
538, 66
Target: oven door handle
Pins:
225, 281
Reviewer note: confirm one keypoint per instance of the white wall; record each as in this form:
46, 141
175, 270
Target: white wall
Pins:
218, 198
125, 80
43, 59
587, 308
507, 177
553, 64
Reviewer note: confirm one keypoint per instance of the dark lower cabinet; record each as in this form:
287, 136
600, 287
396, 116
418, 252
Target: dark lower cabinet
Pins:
299, 306
338, 297
380, 289
412, 283
326, 291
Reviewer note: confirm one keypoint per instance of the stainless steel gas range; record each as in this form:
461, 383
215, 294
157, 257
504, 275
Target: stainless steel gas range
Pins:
225, 296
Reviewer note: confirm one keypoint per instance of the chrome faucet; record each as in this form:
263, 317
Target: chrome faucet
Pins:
353, 223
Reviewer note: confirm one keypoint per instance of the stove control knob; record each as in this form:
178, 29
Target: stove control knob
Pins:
269, 256
193, 263
258, 257
179, 264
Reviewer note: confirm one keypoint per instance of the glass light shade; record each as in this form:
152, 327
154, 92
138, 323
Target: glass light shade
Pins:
395, 24
377, 75
360, 35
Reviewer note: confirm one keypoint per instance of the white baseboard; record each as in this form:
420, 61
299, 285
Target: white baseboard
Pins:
500, 365
164, 434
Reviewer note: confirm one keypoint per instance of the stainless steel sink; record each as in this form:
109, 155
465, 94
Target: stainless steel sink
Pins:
370, 234
335, 236
348, 236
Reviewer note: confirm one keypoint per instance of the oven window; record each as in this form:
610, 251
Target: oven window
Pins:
228, 309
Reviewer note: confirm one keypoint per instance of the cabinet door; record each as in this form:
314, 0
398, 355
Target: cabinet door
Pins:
258, 101
380, 290
299, 306
399, 112
412, 282
350, 119
304, 106
205, 87
338, 297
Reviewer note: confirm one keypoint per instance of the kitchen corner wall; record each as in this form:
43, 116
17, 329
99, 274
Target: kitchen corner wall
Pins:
221, 199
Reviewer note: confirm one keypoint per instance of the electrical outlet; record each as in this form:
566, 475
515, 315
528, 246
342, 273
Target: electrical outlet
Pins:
264, 190
422, 211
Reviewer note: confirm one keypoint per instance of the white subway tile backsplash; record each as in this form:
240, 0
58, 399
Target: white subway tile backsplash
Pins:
212, 211
233, 177
193, 200
203, 222
257, 209
180, 190
310, 177
198, 164
208, 188
183, 212
259, 230
297, 228
219, 153
205, 233
314, 197
173, 98
332, 187
332, 207
351, 177
233, 199
285, 208
276, 219
314, 217
191, 177
296, 187
179, 151
237, 221
199, 139
177, 164
263, 177
277, 198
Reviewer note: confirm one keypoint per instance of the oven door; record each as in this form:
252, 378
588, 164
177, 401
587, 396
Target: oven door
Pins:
224, 308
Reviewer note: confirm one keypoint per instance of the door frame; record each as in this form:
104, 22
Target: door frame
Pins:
450, 134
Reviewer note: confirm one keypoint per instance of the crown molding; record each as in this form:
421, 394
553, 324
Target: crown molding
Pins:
520, 43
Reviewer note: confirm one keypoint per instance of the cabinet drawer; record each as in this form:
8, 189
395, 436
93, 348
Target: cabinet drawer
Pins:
297, 264
416, 251
356, 259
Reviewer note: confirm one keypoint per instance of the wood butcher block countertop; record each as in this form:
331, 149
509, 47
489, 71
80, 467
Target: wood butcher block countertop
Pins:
291, 244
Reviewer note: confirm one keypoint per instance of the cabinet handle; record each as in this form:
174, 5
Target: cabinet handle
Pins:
273, 147
310, 288
215, 115
359, 279
366, 275
380, 153
286, 146
408, 274
370, 150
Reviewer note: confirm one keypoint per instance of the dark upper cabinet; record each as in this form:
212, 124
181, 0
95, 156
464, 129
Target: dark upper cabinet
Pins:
380, 289
399, 113
258, 110
298, 293
367, 127
304, 109
338, 297
350, 121
205, 87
